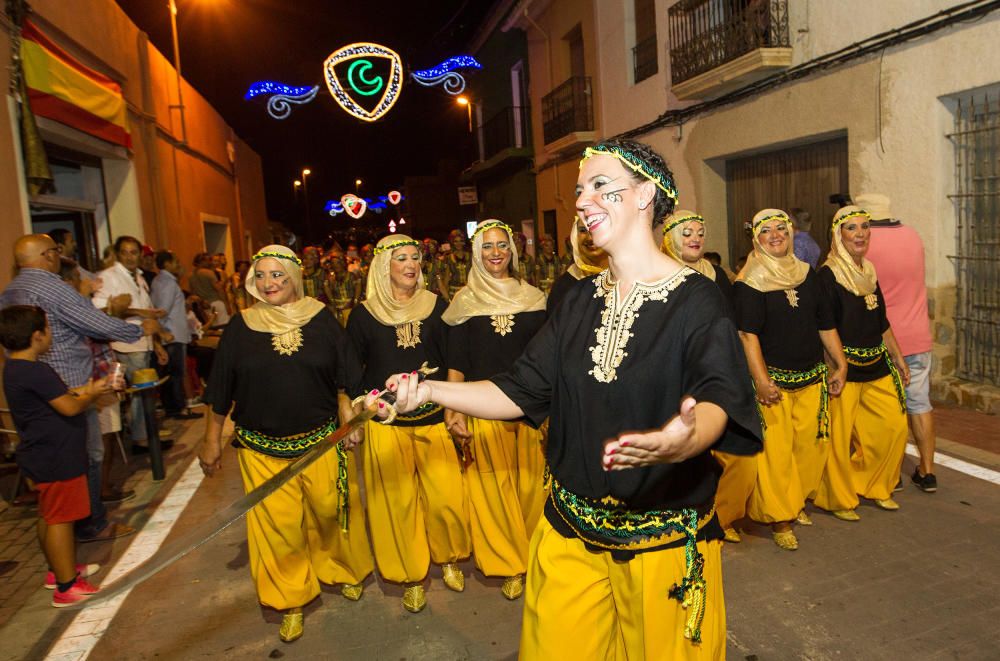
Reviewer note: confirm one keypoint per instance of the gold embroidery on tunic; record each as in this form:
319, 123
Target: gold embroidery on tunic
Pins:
408, 334
871, 301
287, 343
502, 323
618, 317
793, 297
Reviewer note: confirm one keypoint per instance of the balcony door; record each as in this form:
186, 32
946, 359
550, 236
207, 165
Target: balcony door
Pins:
577, 63
803, 177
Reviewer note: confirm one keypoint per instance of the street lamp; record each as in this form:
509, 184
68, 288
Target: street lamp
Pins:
357, 186
295, 187
172, 5
305, 196
464, 101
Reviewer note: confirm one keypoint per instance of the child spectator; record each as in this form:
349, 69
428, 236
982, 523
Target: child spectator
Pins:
52, 451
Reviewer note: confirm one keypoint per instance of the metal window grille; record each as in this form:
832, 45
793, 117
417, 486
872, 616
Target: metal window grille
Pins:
977, 199
705, 34
568, 109
644, 62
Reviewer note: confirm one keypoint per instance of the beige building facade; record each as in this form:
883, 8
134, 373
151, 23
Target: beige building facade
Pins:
895, 120
186, 183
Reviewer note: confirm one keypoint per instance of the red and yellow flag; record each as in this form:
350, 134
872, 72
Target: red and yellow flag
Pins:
64, 90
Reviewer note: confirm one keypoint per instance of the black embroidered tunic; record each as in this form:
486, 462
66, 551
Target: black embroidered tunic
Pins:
282, 395
387, 350
602, 366
484, 346
861, 321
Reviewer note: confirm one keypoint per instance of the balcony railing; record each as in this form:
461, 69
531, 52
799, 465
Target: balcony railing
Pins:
705, 34
505, 130
644, 62
568, 109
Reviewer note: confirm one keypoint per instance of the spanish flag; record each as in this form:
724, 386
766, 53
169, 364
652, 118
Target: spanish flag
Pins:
64, 90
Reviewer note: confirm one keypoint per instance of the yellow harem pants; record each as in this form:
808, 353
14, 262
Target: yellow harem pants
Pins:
582, 604
294, 535
739, 475
506, 493
790, 467
417, 504
868, 438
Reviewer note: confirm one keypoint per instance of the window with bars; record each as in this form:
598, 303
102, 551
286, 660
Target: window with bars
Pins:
976, 138
644, 59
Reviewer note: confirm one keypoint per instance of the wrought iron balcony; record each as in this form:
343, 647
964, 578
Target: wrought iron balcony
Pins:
508, 129
708, 34
644, 62
567, 110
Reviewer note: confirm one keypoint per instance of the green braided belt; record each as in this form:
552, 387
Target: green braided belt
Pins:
608, 524
865, 356
792, 380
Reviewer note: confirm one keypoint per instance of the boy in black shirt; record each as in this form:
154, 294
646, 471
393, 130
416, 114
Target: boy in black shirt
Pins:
52, 451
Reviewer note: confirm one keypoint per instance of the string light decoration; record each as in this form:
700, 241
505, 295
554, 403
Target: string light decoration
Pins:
358, 83
279, 105
392, 226
378, 205
445, 74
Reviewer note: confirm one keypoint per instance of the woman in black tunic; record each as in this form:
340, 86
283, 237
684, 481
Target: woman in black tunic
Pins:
588, 260
868, 422
642, 374
493, 318
417, 505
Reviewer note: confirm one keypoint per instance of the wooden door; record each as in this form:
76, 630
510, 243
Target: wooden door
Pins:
804, 177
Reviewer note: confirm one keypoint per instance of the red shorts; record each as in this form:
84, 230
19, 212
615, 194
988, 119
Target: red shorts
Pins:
63, 501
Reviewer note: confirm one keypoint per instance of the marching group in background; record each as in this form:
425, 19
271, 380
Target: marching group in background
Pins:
517, 449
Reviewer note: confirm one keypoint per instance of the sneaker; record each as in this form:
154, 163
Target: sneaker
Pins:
83, 570
926, 483
111, 531
118, 496
899, 486
79, 591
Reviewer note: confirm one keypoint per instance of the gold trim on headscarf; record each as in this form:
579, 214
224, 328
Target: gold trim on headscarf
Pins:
283, 322
382, 304
766, 273
673, 241
581, 268
485, 295
859, 280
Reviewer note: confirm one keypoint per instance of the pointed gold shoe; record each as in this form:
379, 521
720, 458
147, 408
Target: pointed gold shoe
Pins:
887, 504
786, 540
291, 627
352, 592
846, 515
513, 587
414, 598
803, 519
453, 577
730, 535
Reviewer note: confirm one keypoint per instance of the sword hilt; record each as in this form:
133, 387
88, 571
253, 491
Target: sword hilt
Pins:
389, 397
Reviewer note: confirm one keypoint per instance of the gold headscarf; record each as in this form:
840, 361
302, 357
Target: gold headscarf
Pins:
859, 280
283, 322
673, 238
485, 295
766, 273
581, 268
380, 301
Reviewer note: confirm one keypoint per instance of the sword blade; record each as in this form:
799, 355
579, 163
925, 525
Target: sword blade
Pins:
218, 522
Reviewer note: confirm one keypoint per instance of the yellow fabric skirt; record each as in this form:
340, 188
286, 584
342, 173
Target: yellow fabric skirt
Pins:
581, 604
417, 502
294, 538
506, 493
739, 474
868, 438
791, 465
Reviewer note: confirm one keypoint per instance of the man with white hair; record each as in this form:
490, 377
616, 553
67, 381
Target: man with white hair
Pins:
898, 255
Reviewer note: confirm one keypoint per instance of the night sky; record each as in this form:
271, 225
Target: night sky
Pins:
226, 45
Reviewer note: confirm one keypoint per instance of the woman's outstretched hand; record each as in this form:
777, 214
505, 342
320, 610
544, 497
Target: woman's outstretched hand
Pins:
410, 394
670, 445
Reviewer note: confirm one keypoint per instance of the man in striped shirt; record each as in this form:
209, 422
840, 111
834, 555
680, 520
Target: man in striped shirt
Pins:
72, 319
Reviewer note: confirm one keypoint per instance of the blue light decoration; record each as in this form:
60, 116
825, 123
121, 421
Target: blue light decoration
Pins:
282, 96
453, 82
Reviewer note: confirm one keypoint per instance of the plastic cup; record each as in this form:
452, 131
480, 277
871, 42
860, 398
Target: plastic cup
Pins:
116, 375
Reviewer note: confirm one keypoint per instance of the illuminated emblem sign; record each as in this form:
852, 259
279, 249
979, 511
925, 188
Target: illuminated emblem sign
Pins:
354, 206
394, 197
365, 79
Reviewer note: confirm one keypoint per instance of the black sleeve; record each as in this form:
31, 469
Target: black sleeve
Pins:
356, 335
751, 312
726, 288
219, 392
46, 382
716, 371
883, 319
558, 291
349, 370
529, 381
437, 350
829, 312
458, 347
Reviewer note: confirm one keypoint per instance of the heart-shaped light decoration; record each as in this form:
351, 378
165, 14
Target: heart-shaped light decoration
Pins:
361, 81
394, 197
354, 206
